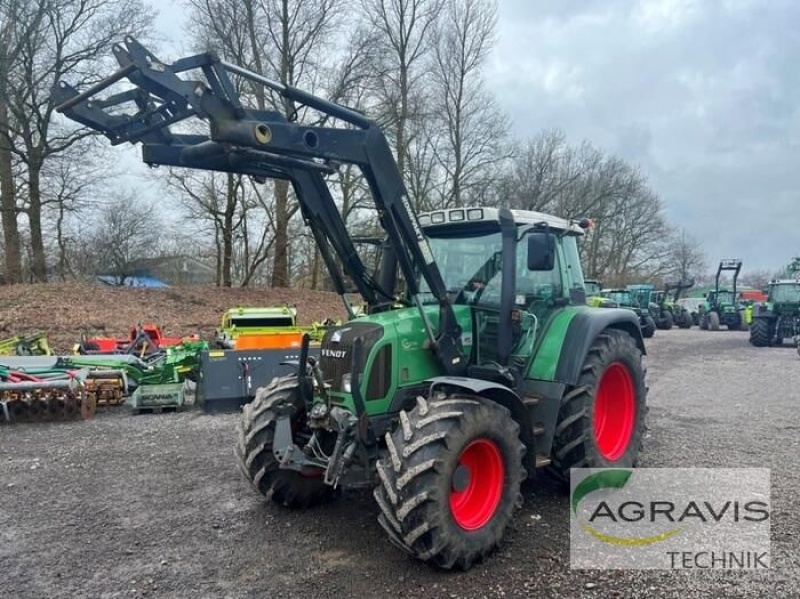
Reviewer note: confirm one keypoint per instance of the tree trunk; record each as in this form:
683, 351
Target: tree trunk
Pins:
227, 233
8, 205
280, 260
39, 261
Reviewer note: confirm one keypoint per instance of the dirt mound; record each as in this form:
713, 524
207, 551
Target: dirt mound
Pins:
64, 311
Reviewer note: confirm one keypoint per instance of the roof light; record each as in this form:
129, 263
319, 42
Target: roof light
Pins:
475, 214
424, 219
456, 215
437, 217
586, 224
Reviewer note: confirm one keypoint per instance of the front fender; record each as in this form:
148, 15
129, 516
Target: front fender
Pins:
499, 394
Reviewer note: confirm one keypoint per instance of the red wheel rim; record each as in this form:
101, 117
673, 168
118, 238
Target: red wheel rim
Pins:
614, 412
477, 484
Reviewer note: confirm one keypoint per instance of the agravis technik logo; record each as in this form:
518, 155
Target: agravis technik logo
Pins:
670, 518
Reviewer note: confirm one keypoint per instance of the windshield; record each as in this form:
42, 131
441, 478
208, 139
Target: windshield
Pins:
785, 292
723, 297
466, 263
472, 264
621, 297
592, 288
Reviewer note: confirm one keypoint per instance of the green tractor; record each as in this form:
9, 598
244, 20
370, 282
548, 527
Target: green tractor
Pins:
666, 308
494, 368
594, 295
624, 298
722, 306
646, 295
779, 317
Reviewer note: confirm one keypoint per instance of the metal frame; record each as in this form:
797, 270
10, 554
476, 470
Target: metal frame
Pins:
264, 144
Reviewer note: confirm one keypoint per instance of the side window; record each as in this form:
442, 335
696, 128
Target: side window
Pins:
572, 261
538, 285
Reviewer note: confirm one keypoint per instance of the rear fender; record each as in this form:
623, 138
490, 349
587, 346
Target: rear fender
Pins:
581, 334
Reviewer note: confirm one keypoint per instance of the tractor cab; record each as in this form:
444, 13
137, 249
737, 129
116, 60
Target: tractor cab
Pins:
779, 317
525, 266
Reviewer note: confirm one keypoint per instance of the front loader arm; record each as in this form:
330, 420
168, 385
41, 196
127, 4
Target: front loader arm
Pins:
264, 144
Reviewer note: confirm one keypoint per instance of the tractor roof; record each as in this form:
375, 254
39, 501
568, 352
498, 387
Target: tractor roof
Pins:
785, 282
467, 216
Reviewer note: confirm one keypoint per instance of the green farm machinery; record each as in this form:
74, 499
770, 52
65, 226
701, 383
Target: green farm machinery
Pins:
26, 345
624, 298
722, 306
779, 317
594, 295
663, 307
487, 368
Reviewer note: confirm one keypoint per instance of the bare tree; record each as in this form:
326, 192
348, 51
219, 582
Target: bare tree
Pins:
71, 39
403, 42
125, 232
685, 258
473, 124
18, 18
286, 39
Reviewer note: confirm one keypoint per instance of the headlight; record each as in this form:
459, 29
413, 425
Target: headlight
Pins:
346, 382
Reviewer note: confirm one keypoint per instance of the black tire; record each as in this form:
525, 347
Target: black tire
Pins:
649, 327
684, 320
760, 334
256, 433
417, 478
667, 322
713, 321
577, 443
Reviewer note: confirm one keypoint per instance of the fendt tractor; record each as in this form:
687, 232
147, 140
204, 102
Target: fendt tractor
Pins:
491, 368
722, 305
779, 317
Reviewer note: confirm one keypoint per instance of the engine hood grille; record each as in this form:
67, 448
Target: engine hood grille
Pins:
336, 350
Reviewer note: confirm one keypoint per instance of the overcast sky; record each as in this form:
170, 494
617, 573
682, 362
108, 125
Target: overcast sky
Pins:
703, 94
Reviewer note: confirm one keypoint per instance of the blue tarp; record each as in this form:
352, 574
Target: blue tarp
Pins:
135, 281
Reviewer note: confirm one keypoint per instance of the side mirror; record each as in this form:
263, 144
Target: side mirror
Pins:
541, 251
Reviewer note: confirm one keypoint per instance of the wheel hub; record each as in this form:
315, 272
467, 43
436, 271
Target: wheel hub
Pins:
614, 412
477, 484
461, 478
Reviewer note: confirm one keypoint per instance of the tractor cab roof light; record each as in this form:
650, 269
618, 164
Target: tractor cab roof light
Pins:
475, 214
437, 217
456, 215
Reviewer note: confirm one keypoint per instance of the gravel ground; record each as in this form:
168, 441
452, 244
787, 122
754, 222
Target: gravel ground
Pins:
154, 506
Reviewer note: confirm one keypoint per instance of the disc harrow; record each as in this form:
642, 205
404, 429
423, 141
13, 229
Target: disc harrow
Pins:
26, 397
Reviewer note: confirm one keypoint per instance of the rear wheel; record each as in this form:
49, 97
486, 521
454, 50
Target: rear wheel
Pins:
648, 327
451, 480
255, 453
684, 320
666, 322
713, 321
601, 421
760, 335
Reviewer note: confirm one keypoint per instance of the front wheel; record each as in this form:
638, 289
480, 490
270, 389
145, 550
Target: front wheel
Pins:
451, 479
254, 449
713, 321
601, 422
